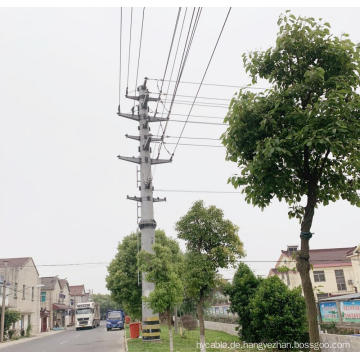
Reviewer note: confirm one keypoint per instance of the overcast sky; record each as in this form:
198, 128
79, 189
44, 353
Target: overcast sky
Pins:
62, 188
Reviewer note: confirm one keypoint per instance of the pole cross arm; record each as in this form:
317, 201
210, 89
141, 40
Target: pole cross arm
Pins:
131, 159
135, 198
137, 117
129, 116
132, 97
160, 161
133, 137
159, 199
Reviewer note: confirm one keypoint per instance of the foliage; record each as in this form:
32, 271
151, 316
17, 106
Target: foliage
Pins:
306, 127
212, 242
300, 139
163, 268
106, 303
242, 289
28, 330
11, 317
122, 278
277, 313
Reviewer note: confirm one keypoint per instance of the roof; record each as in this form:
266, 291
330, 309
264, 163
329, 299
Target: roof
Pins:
61, 307
63, 283
17, 262
49, 282
77, 290
343, 297
320, 258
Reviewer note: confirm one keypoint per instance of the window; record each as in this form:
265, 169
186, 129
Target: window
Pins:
23, 292
32, 294
319, 276
15, 291
43, 296
340, 279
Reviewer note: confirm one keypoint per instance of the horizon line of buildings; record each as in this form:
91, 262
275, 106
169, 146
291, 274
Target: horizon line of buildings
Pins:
44, 303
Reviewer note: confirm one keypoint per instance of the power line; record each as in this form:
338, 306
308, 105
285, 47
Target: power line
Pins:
192, 138
215, 84
185, 54
197, 122
201, 116
140, 42
206, 70
169, 54
168, 87
129, 54
198, 191
121, 18
204, 145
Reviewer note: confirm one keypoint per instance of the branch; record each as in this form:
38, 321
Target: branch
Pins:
323, 162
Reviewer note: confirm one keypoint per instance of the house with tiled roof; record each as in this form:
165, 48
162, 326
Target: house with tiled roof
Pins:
334, 271
55, 312
22, 292
77, 295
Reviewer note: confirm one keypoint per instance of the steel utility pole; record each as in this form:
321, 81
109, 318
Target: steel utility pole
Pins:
147, 224
2, 323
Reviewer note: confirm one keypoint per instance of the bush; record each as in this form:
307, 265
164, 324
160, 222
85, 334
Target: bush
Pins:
277, 314
28, 330
11, 333
189, 322
11, 317
242, 289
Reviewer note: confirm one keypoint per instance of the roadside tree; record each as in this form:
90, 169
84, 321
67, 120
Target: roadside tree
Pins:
242, 289
164, 269
299, 141
212, 242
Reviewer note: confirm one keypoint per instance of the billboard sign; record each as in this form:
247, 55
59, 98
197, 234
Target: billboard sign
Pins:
350, 311
329, 312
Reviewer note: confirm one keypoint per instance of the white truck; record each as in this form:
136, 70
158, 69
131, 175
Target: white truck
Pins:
87, 315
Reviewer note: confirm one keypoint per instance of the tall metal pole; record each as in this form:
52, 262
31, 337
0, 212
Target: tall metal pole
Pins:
147, 224
2, 324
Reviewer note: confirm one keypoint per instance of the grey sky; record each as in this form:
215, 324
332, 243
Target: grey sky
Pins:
62, 188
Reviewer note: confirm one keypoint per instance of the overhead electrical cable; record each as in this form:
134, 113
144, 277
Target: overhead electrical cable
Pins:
139, 54
203, 77
171, 74
169, 53
185, 54
121, 18
129, 53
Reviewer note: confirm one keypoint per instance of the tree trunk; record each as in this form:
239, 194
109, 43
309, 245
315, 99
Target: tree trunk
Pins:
176, 321
171, 341
303, 266
200, 312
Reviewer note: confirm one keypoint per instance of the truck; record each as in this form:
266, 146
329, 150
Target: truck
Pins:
87, 315
115, 319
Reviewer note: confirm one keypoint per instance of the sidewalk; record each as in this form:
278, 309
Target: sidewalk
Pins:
33, 337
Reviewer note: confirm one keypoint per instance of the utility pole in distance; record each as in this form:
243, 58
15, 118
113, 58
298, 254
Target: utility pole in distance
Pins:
2, 323
147, 224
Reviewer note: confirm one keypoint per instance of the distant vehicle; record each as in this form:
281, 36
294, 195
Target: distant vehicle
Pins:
87, 315
115, 319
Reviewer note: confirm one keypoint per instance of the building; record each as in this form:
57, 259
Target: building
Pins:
77, 295
334, 271
55, 312
22, 292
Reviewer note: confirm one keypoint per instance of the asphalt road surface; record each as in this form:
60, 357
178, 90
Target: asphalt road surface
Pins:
97, 339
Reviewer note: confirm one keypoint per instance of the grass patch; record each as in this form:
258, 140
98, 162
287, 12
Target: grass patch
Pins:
187, 342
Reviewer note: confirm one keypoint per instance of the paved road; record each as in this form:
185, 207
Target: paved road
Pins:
97, 339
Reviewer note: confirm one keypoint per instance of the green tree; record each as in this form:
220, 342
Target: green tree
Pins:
299, 140
212, 242
242, 289
106, 303
122, 280
11, 317
277, 314
164, 268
